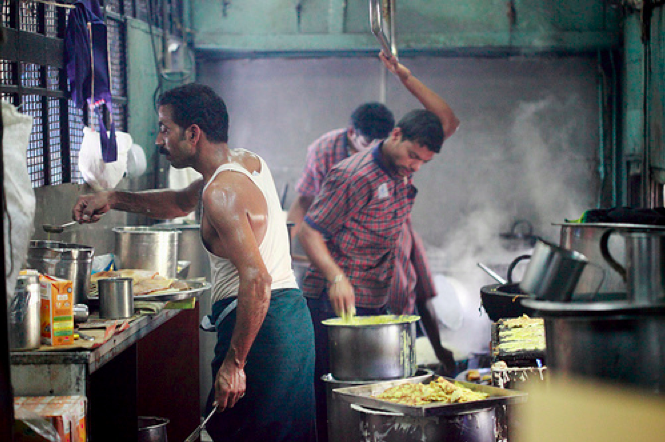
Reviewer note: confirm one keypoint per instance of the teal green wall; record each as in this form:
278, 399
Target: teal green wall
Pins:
259, 26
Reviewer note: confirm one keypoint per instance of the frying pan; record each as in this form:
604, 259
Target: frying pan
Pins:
504, 300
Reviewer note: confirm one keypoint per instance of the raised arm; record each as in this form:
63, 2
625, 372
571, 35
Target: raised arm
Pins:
158, 204
427, 97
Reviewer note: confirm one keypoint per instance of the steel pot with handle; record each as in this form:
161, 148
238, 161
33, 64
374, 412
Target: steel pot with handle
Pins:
66, 261
644, 269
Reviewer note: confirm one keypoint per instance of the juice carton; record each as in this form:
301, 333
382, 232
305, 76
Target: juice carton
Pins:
57, 311
66, 415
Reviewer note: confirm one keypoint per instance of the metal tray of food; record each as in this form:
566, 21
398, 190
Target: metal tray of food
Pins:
362, 395
196, 287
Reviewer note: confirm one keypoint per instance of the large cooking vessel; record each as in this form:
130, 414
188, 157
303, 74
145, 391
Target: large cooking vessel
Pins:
474, 426
66, 261
372, 351
612, 341
343, 422
147, 248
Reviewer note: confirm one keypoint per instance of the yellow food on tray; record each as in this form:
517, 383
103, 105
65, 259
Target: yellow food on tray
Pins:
439, 390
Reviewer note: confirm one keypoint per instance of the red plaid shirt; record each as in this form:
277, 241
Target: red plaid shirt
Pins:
322, 155
360, 211
412, 273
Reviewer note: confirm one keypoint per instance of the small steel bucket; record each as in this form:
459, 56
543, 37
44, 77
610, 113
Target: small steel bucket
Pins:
553, 272
152, 429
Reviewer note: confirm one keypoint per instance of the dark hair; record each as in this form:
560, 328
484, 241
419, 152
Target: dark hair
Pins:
423, 127
373, 120
198, 104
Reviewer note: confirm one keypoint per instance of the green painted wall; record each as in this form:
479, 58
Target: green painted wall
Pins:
273, 27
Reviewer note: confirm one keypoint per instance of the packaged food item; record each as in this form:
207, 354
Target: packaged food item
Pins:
66, 414
57, 311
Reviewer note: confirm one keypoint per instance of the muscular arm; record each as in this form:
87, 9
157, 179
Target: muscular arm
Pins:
427, 97
159, 204
340, 292
235, 209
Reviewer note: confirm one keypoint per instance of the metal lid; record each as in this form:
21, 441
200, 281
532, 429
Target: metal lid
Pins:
613, 226
602, 308
55, 249
145, 230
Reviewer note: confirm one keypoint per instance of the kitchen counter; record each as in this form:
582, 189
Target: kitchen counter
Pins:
112, 375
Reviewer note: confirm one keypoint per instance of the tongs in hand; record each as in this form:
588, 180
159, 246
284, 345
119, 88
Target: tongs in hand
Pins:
195, 434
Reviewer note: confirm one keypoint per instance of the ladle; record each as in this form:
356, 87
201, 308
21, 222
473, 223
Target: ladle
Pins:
491, 272
51, 228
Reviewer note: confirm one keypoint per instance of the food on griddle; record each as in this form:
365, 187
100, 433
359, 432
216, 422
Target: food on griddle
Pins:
439, 390
521, 334
473, 375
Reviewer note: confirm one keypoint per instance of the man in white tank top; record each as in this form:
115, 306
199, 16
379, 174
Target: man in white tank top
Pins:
265, 347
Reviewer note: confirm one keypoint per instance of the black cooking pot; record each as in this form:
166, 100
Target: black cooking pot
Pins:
503, 300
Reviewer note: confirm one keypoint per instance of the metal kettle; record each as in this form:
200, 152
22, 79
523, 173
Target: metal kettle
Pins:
644, 268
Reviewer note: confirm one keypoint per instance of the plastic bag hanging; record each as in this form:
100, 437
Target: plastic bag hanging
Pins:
86, 63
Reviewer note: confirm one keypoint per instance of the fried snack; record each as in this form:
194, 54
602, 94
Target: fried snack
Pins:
439, 390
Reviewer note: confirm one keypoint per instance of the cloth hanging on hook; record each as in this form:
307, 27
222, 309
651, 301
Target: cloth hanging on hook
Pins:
86, 63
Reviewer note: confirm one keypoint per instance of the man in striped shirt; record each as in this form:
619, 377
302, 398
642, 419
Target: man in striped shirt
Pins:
352, 228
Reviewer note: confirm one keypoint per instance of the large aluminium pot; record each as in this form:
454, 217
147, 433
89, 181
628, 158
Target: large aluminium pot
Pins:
66, 261
372, 347
343, 422
475, 426
616, 341
147, 248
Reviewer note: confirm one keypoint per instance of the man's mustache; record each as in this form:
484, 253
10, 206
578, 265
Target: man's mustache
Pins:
161, 149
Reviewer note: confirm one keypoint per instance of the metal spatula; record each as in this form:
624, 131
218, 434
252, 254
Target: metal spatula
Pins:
195, 434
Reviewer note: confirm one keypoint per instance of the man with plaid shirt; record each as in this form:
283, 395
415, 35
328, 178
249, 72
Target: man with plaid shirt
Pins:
352, 228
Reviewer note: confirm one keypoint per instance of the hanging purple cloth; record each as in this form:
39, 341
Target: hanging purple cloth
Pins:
78, 64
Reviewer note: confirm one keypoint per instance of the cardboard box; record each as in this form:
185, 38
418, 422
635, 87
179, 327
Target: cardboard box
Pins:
66, 414
57, 311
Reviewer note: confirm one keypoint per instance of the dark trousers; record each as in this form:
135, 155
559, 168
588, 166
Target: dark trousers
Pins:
320, 310
279, 403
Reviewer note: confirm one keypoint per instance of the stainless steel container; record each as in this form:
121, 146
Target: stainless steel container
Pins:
116, 298
343, 422
152, 429
475, 426
644, 266
612, 341
66, 261
24, 304
553, 272
380, 351
190, 248
147, 248
585, 238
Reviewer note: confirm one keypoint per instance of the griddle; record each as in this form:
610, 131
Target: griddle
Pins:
514, 358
